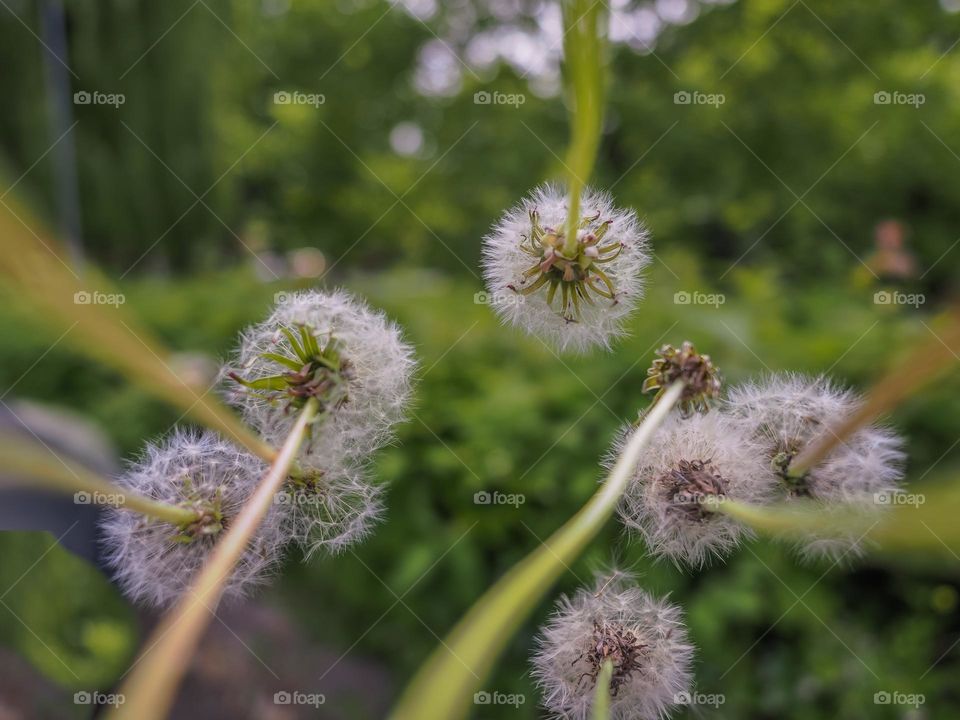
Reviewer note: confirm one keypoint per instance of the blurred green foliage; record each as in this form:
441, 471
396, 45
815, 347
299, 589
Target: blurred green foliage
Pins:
496, 410
62, 614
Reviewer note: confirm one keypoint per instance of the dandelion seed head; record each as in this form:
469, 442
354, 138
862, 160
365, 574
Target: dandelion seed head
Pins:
644, 637
360, 403
787, 412
689, 460
155, 561
330, 507
573, 303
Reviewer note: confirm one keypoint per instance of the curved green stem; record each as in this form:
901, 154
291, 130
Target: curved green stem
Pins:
601, 695
35, 467
150, 688
584, 67
444, 685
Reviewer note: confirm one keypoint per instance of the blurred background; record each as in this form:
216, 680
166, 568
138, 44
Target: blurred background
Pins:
796, 161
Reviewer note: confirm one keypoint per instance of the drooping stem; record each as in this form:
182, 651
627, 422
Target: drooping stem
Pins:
582, 49
150, 689
33, 466
444, 685
601, 693
921, 367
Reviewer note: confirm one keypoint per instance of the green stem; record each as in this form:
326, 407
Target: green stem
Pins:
926, 363
582, 46
150, 688
34, 466
444, 685
601, 695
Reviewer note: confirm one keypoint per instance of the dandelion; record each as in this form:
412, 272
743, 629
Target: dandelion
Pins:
787, 412
331, 347
644, 638
701, 377
690, 460
330, 508
573, 292
155, 561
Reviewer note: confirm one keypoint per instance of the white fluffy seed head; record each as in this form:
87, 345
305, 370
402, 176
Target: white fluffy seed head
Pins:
787, 412
506, 261
705, 455
190, 468
330, 507
645, 638
377, 390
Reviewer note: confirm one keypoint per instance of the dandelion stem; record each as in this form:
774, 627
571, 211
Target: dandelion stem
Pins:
601, 696
150, 689
921, 367
444, 684
34, 466
582, 54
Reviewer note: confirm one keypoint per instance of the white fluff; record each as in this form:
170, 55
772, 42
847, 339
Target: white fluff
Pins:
504, 263
378, 392
788, 411
665, 514
333, 512
560, 660
153, 568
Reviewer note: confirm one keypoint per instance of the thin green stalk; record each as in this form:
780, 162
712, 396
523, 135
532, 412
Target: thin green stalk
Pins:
93, 320
582, 49
32, 466
601, 694
150, 690
444, 685
921, 367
